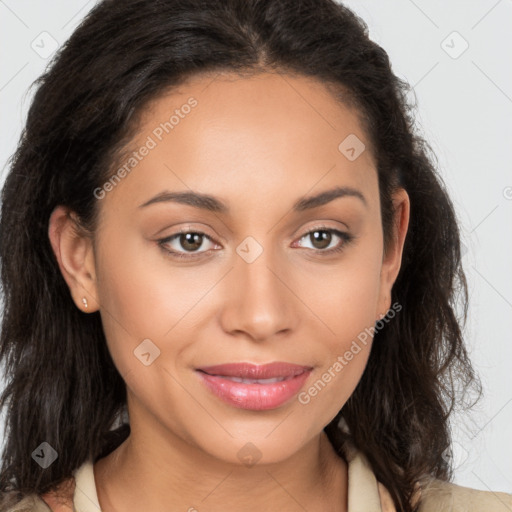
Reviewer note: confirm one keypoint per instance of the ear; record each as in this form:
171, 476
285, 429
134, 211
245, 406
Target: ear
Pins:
392, 260
73, 248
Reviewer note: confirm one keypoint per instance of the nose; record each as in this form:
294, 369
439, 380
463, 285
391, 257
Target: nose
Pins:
259, 300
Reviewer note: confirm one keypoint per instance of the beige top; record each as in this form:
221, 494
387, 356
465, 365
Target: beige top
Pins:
365, 493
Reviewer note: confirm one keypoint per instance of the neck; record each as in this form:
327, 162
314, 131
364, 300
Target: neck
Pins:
152, 469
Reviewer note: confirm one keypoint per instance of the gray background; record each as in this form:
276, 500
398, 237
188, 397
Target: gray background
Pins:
464, 98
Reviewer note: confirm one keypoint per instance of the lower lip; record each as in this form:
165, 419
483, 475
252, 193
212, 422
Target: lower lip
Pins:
257, 397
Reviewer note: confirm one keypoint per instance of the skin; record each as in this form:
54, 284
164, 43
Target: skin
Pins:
258, 144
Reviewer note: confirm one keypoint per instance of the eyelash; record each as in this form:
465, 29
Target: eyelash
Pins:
347, 239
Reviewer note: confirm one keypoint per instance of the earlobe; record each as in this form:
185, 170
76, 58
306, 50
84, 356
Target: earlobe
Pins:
73, 250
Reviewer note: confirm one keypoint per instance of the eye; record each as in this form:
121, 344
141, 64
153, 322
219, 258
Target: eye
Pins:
187, 243
190, 241
321, 237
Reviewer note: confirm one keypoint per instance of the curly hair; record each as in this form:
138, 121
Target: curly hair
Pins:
62, 386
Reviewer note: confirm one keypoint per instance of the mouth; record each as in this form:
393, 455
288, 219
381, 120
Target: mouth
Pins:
255, 387
275, 370
252, 381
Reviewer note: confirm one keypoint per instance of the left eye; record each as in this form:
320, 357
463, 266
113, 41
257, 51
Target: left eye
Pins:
324, 236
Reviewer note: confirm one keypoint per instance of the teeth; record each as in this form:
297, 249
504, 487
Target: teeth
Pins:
255, 381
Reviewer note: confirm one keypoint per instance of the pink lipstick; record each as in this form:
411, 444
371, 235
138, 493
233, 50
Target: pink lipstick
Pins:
256, 387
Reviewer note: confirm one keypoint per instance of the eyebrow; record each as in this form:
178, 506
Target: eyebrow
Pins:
213, 204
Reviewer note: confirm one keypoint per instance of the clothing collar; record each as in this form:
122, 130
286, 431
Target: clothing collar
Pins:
365, 493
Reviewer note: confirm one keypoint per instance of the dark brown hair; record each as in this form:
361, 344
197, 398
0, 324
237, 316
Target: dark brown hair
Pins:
61, 384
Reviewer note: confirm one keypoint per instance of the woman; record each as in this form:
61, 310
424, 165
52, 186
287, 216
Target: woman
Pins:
229, 271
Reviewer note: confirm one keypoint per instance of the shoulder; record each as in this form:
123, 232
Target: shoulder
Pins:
30, 503
59, 500
440, 496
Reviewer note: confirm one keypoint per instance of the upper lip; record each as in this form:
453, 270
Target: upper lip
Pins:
254, 371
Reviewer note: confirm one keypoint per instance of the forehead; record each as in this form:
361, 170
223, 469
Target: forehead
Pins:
260, 104
260, 135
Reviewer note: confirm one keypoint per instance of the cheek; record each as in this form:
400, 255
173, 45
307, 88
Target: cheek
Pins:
333, 382
142, 298
144, 304
142, 292
346, 304
345, 295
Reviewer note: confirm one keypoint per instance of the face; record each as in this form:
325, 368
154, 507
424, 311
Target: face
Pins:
255, 273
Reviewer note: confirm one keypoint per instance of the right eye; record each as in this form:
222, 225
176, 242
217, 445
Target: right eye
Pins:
188, 240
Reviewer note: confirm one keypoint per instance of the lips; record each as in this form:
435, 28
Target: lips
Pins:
276, 370
256, 387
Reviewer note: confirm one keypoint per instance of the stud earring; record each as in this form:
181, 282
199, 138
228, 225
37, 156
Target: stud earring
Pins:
84, 300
